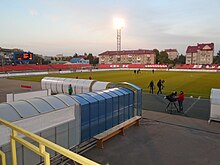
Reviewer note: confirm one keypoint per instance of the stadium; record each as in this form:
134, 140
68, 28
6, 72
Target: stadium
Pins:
76, 90
197, 109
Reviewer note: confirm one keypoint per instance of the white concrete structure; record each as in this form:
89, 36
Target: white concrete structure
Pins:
215, 105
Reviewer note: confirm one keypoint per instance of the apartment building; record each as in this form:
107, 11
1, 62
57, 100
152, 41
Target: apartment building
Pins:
200, 54
139, 56
172, 53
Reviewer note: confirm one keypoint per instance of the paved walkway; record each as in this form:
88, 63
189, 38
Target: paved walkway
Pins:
14, 86
163, 139
193, 107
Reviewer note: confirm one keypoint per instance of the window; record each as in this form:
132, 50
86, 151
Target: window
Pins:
130, 59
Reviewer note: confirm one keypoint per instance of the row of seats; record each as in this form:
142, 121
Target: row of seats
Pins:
153, 66
192, 66
9, 68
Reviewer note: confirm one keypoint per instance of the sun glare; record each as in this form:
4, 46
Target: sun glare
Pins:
118, 23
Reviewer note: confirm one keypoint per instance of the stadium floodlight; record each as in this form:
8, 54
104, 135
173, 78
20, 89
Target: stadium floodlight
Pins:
118, 23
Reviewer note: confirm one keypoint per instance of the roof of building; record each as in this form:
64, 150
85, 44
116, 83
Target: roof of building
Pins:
201, 46
194, 49
10, 50
57, 62
125, 52
171, 50
75, 60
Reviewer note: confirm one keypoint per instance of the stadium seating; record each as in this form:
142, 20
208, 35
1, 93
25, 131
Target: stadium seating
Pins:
32, 67
156, 66
59, 66
197, 66
4, 69
192, 66
213, 67
79, 66
40, 67
18, 67
112, 66
185, 66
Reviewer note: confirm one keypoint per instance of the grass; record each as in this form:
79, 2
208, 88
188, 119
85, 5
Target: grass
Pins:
192, 83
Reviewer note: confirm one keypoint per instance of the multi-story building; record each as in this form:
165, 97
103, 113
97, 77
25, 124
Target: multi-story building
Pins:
128, 57
172, 53
6, 55
200, 54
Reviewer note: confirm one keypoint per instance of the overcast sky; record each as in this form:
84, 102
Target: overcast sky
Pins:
51, 27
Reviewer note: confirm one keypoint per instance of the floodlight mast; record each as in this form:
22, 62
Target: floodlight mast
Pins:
118, 25
118, 39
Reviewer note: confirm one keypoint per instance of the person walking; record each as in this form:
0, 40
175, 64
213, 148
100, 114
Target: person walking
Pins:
151, 86
180, 101
159, 85
70, 89
162, 83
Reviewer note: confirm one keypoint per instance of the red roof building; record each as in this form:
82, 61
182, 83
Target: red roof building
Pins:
139, 56
200, 54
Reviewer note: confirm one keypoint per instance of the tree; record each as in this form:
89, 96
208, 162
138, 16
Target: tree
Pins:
38, 59
163, 58
95, 60
75, 55
181, 59
90, 58
216, 59
156, 51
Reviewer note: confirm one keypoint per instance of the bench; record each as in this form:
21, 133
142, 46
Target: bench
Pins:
116, 130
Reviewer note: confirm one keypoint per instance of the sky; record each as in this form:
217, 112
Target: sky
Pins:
51, 27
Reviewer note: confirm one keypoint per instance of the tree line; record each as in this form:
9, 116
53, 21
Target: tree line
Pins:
162, 58
216, 59
38, 59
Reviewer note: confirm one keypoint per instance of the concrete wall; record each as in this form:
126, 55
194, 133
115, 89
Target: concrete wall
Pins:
11, 97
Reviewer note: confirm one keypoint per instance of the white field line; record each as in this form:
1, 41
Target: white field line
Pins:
192, 105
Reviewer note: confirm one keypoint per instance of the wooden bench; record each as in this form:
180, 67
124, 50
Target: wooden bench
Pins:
116, 130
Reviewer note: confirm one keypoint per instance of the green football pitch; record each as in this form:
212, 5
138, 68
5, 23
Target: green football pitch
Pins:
192, 83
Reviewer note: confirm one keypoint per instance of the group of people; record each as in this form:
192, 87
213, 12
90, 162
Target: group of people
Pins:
137, 71
90, 78
160, 85
180, 98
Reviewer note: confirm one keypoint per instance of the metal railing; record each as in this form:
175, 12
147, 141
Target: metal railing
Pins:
40, 150
2, 154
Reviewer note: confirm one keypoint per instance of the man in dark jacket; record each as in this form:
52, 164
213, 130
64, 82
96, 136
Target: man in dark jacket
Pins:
159, 85
151, 86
